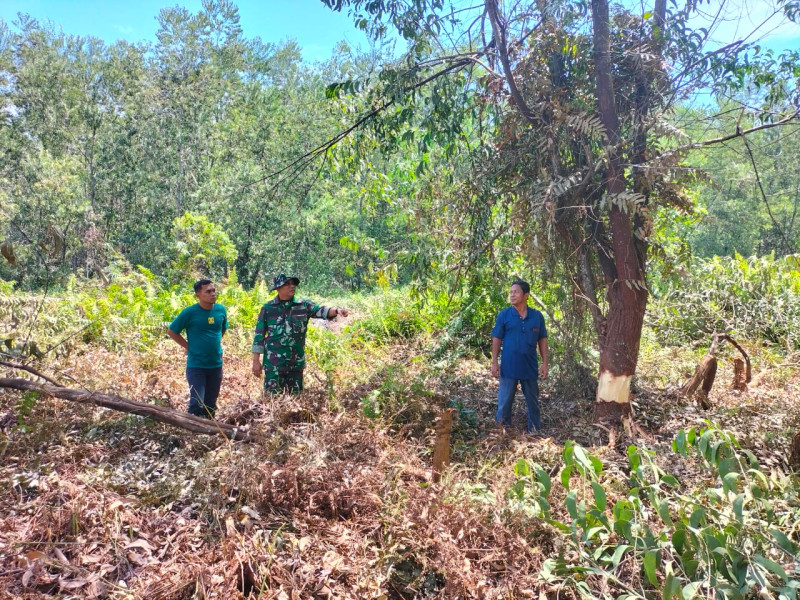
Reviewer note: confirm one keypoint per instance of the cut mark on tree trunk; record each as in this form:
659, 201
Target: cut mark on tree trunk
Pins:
613, 388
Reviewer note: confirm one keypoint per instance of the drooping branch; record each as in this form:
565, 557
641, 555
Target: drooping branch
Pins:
151, 411
302, 161
738, 133
499, 33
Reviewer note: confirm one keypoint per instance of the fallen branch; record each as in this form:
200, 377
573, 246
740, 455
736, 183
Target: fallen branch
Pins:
29, 370
151, 411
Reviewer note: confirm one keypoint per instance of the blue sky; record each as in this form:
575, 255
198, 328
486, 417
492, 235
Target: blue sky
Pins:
316, 28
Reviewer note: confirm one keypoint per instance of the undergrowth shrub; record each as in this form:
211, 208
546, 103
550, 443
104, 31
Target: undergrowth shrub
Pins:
736, 538
756, 298
395, 316
399, 399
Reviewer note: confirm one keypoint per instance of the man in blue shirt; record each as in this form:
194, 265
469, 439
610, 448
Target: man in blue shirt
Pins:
205, 324
519, 331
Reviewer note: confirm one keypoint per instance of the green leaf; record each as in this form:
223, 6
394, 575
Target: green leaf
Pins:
730, 592
593, 532
572, 504
623, 528
679, 540
698, 516
729, 482
784, 542
560, 525
651, 560
672, 587
772, 566
689, 591
581, 460
565, 475
680, 444
738, 507
663, 512
599, 495
670, 480
544, 480
618, 553
522, 468
729, 465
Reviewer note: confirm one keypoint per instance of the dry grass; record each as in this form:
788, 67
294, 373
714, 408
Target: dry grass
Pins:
95, 504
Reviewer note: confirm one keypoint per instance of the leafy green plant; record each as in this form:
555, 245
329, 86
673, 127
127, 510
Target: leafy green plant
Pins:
24, 407
201, 247
735, 538
399, 399
395, 317
756, 297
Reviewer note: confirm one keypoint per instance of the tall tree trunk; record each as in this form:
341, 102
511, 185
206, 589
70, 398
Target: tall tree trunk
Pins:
627, 294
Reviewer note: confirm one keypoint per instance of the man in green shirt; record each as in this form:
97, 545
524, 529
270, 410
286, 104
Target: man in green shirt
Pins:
205, 324
280, 338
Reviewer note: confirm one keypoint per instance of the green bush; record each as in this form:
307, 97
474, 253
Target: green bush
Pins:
394, 316
736, 538
755, 298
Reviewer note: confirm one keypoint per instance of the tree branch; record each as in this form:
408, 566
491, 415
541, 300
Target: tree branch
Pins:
30, 370
787, 245
324, 147
738, 133
502, 51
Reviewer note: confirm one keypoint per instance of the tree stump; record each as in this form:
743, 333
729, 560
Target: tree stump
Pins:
706, 371
739, 379
703, 378
441, 448
794, 452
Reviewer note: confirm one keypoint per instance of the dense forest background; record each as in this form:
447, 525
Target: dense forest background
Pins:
183, 154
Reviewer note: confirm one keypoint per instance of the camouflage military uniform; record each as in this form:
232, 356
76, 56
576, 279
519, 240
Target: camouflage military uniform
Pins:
281, 338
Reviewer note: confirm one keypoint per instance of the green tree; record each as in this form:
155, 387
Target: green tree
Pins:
750, 189
577, 100
202, 249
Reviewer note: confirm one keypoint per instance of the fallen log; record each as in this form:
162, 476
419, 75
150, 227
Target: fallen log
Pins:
151, 411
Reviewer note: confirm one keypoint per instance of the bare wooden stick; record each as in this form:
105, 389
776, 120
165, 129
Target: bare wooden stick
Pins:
29, 370
749, 370
794, 452
151, 411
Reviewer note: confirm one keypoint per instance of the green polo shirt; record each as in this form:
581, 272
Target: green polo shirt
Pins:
204, 329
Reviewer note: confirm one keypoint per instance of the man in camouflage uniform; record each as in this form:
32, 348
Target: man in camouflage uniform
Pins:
280, 339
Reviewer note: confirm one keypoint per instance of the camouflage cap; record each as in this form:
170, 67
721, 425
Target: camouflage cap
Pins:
283, 280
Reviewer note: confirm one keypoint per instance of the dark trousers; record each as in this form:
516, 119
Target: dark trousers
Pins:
203, 390
505, 399
276, 382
